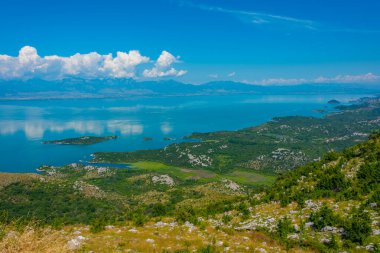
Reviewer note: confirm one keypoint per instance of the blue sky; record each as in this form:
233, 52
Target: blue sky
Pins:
253, 41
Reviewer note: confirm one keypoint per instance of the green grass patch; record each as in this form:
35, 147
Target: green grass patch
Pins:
165, 169
238, 176
250, 177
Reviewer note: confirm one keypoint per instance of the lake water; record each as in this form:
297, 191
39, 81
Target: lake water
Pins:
25, 124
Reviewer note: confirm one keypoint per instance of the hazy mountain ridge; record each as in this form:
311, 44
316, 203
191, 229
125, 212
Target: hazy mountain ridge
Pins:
113, 88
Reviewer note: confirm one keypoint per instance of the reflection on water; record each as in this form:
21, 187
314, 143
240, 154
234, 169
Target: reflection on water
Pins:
166, 128
300, 99
36, 129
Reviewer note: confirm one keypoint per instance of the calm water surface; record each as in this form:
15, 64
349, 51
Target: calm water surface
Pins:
25, 124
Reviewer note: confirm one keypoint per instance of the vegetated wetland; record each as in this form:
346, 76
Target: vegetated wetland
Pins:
24, 125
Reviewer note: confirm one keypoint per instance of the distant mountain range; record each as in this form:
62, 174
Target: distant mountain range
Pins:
114, 88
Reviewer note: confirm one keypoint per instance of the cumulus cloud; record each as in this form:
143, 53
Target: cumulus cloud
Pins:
28, 64
365, 78
162, 67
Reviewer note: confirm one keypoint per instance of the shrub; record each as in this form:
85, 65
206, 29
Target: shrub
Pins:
138, 218
243, 208
358, 226
332, 179
207, 249
369, 176
158, 209
186, 213
284, 227
375, 198
284, 201
331, 156
97, 225
324, 217
226, 218
333, 244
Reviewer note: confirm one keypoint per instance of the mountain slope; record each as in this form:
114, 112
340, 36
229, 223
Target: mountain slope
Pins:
116, 88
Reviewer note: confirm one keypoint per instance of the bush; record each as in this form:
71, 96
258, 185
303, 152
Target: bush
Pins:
158, 209
331, 156
357, 227
375, 198
186, 213
284, 227
226, 218
284, 201
243, 208
332, 179
207, 249
333, 244
97, 225
138, 218
324, 217
369, 176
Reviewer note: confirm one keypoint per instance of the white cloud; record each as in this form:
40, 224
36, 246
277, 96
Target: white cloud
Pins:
232, 74
162, 67
365, 78
213, 76
124, 64
28, 64
166, 59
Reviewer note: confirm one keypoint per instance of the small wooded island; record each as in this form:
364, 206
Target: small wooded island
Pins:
333, 102
83, 140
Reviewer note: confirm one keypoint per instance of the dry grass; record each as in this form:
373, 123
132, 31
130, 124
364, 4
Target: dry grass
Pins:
10, 178
150, 238
34, 240
157, 239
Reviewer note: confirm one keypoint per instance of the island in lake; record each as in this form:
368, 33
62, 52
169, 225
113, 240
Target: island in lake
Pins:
333, 102
83, 140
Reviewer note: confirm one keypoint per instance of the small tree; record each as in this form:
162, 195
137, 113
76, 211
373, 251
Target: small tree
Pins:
284, 227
